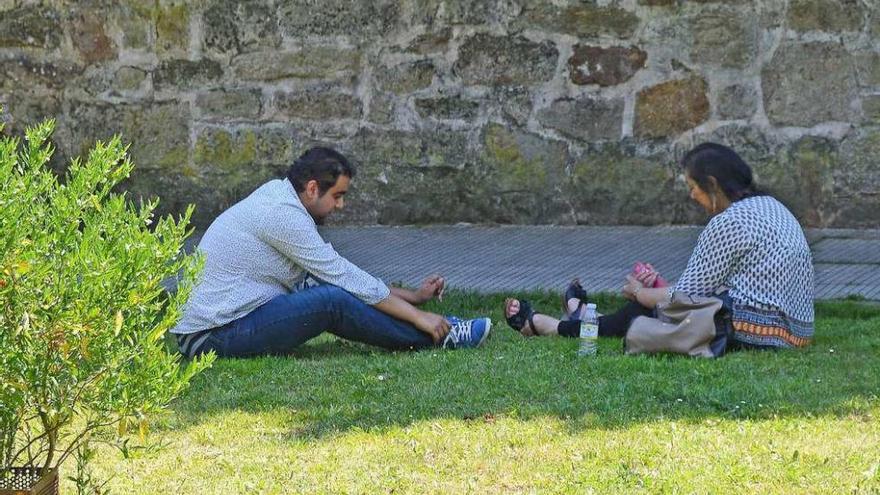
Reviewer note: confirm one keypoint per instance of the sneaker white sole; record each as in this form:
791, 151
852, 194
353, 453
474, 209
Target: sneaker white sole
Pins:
486, 333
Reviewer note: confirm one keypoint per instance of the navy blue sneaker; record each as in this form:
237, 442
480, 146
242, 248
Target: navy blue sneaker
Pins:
467, 333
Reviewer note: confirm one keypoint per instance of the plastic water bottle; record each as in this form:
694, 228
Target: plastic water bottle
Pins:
589, 332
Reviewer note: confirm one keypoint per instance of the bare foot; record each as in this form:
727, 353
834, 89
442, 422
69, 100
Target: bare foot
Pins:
573, 308
511, 307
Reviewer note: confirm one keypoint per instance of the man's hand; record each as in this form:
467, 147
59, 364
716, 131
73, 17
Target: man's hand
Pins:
434, 325
433, 286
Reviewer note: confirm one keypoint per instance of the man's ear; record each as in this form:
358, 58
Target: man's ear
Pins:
313, 190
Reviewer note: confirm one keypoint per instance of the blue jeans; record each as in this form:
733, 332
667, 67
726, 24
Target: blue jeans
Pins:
288, 320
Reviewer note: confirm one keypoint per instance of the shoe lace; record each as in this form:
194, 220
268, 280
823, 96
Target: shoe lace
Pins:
460, 332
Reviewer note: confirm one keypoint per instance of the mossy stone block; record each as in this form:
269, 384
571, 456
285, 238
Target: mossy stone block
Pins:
724, 37
31, 26
231, 103
585, 118
491, 60
833, 16
406, 77
186, 74
670, 108
807, 84
310, 62
583, 20
172, 28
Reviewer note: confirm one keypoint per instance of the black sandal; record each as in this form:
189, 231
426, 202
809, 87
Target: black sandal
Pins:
574, 291
525, 314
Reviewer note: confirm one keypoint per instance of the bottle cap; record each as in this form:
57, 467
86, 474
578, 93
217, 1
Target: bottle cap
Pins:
591, 305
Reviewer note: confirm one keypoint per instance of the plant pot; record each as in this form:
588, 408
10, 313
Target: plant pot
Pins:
30, 481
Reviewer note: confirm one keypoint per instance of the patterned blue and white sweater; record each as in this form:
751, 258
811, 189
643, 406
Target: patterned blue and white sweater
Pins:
757, 250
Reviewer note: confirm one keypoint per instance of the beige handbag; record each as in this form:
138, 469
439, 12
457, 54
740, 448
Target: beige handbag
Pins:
692, 325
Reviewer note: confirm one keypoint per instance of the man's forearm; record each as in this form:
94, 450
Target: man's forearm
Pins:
398, 307
407, 295
436, 326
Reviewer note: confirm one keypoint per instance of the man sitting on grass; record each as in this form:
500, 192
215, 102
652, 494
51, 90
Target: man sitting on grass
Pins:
254, 298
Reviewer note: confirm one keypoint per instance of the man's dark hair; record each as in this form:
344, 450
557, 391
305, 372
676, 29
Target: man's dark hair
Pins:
733, 175
321, 164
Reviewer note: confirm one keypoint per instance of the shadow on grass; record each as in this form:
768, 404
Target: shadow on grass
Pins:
330, 386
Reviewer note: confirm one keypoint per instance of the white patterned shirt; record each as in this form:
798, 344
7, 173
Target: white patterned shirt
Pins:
757, 250
262, 247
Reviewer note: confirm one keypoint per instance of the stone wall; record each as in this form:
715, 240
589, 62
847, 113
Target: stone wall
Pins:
512, 111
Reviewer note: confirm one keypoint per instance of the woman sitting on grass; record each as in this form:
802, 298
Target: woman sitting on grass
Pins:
752, 253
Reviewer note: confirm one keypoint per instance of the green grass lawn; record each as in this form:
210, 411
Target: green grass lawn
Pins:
525, 416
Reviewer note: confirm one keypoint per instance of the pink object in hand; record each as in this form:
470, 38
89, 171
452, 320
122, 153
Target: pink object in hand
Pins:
640, 268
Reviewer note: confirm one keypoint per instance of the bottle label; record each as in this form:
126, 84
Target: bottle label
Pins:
589, 330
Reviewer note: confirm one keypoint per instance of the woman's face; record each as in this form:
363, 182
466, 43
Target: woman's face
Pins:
700, 196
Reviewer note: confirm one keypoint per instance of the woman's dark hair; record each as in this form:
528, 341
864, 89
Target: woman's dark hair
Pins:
321, 164
733, 175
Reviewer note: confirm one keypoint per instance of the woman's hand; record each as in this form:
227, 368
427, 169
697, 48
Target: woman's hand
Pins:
631, 288
648, 276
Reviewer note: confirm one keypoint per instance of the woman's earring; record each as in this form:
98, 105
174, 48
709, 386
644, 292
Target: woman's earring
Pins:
713, 204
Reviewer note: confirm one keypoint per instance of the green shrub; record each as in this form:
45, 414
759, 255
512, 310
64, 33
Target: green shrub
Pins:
83, 312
